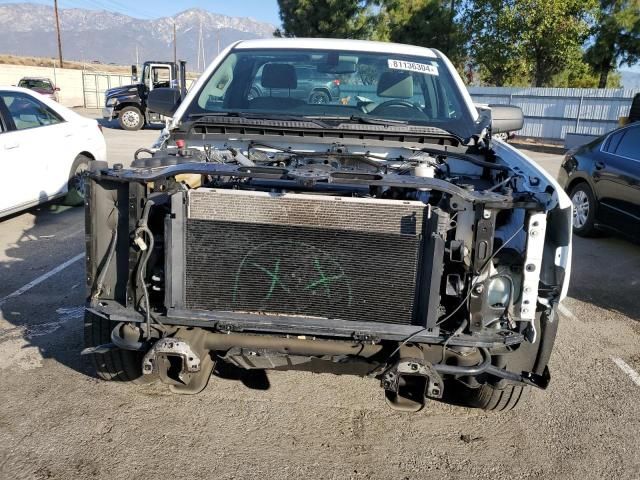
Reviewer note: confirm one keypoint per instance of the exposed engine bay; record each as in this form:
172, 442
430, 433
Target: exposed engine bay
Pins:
418, 265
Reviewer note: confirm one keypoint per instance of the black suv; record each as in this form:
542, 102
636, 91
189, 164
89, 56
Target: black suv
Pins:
310, 86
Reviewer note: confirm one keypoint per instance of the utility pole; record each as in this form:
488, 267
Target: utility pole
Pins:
55, 7
200, 46
175, 50
204, 58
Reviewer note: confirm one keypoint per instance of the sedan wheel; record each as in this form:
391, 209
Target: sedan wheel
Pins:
584, 206
76, 186
580, 209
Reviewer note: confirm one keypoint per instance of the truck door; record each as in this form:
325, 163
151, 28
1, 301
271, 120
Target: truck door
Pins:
160, 76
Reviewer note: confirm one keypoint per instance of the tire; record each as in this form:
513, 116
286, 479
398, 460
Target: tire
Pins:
584, 210
500, 400
76, 183
130, 118
319, 97
500, 395
114, 365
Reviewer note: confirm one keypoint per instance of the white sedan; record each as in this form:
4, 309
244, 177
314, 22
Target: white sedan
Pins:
44, 148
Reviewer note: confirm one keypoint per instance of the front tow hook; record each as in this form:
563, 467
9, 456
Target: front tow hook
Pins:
178, 365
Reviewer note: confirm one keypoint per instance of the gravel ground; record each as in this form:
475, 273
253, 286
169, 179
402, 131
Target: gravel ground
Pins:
58, 421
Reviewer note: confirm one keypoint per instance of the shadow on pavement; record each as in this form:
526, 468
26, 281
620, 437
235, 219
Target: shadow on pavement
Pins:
114, 125
49, 316
606, 273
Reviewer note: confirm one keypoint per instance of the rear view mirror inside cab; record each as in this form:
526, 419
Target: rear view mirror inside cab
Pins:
338, 65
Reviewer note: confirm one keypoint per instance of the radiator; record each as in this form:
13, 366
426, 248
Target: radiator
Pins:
302, 254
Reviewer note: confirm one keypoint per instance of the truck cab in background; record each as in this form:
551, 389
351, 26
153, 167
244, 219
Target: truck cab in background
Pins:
128, 103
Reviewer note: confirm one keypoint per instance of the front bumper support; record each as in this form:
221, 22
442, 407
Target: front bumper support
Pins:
228, 322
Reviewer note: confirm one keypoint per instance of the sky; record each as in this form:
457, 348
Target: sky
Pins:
263, 10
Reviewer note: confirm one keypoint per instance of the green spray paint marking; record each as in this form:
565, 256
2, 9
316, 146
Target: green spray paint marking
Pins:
275, 278
324, 280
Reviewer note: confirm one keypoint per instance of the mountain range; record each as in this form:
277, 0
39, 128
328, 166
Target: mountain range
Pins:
90, 35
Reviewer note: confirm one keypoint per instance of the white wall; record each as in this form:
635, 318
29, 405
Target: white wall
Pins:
70, 81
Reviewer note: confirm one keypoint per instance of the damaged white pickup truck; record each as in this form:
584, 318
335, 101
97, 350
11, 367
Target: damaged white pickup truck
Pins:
381, 233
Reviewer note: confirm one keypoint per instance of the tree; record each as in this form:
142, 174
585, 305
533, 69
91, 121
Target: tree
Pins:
516, 39
616, 37
326, 18
428, 23
550, 30
495, 49
579, 74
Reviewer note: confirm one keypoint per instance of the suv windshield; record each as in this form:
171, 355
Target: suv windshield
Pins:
336, 86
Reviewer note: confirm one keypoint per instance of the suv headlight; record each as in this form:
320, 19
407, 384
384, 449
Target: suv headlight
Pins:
110, 102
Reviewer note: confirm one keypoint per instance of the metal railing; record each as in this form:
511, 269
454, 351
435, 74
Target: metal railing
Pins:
94, 85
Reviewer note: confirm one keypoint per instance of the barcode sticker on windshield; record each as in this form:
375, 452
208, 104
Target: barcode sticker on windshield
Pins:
413, 67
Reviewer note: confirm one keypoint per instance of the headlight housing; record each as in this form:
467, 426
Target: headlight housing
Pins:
111, 102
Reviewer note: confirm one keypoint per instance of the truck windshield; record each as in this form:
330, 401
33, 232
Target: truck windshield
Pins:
334, 86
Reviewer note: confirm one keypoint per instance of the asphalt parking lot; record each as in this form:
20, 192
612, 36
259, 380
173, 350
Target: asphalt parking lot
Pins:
58, 421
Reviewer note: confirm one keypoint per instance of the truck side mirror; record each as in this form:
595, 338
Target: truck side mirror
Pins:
505, 118
134, 73
164, 101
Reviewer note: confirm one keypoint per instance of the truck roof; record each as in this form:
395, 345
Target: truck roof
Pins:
336, 44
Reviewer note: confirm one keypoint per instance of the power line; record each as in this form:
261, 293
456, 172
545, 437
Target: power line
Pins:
112, 6
136, 10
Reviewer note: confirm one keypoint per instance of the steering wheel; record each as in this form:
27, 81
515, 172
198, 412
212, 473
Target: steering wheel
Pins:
397, 103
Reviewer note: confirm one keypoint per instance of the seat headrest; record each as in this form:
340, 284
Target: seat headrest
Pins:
279, 75
396, 85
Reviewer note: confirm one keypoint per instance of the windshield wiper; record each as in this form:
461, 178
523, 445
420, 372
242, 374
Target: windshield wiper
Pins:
363, 119
397, 123
261, 116
376, 120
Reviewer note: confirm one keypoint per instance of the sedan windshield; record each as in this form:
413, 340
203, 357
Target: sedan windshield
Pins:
335, 87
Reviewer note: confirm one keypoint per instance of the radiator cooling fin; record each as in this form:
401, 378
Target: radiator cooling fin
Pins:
304, 255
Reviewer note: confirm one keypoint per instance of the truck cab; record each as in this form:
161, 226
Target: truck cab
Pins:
128, 103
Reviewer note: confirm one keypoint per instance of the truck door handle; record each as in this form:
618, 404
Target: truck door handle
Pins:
599, 165
11, 146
